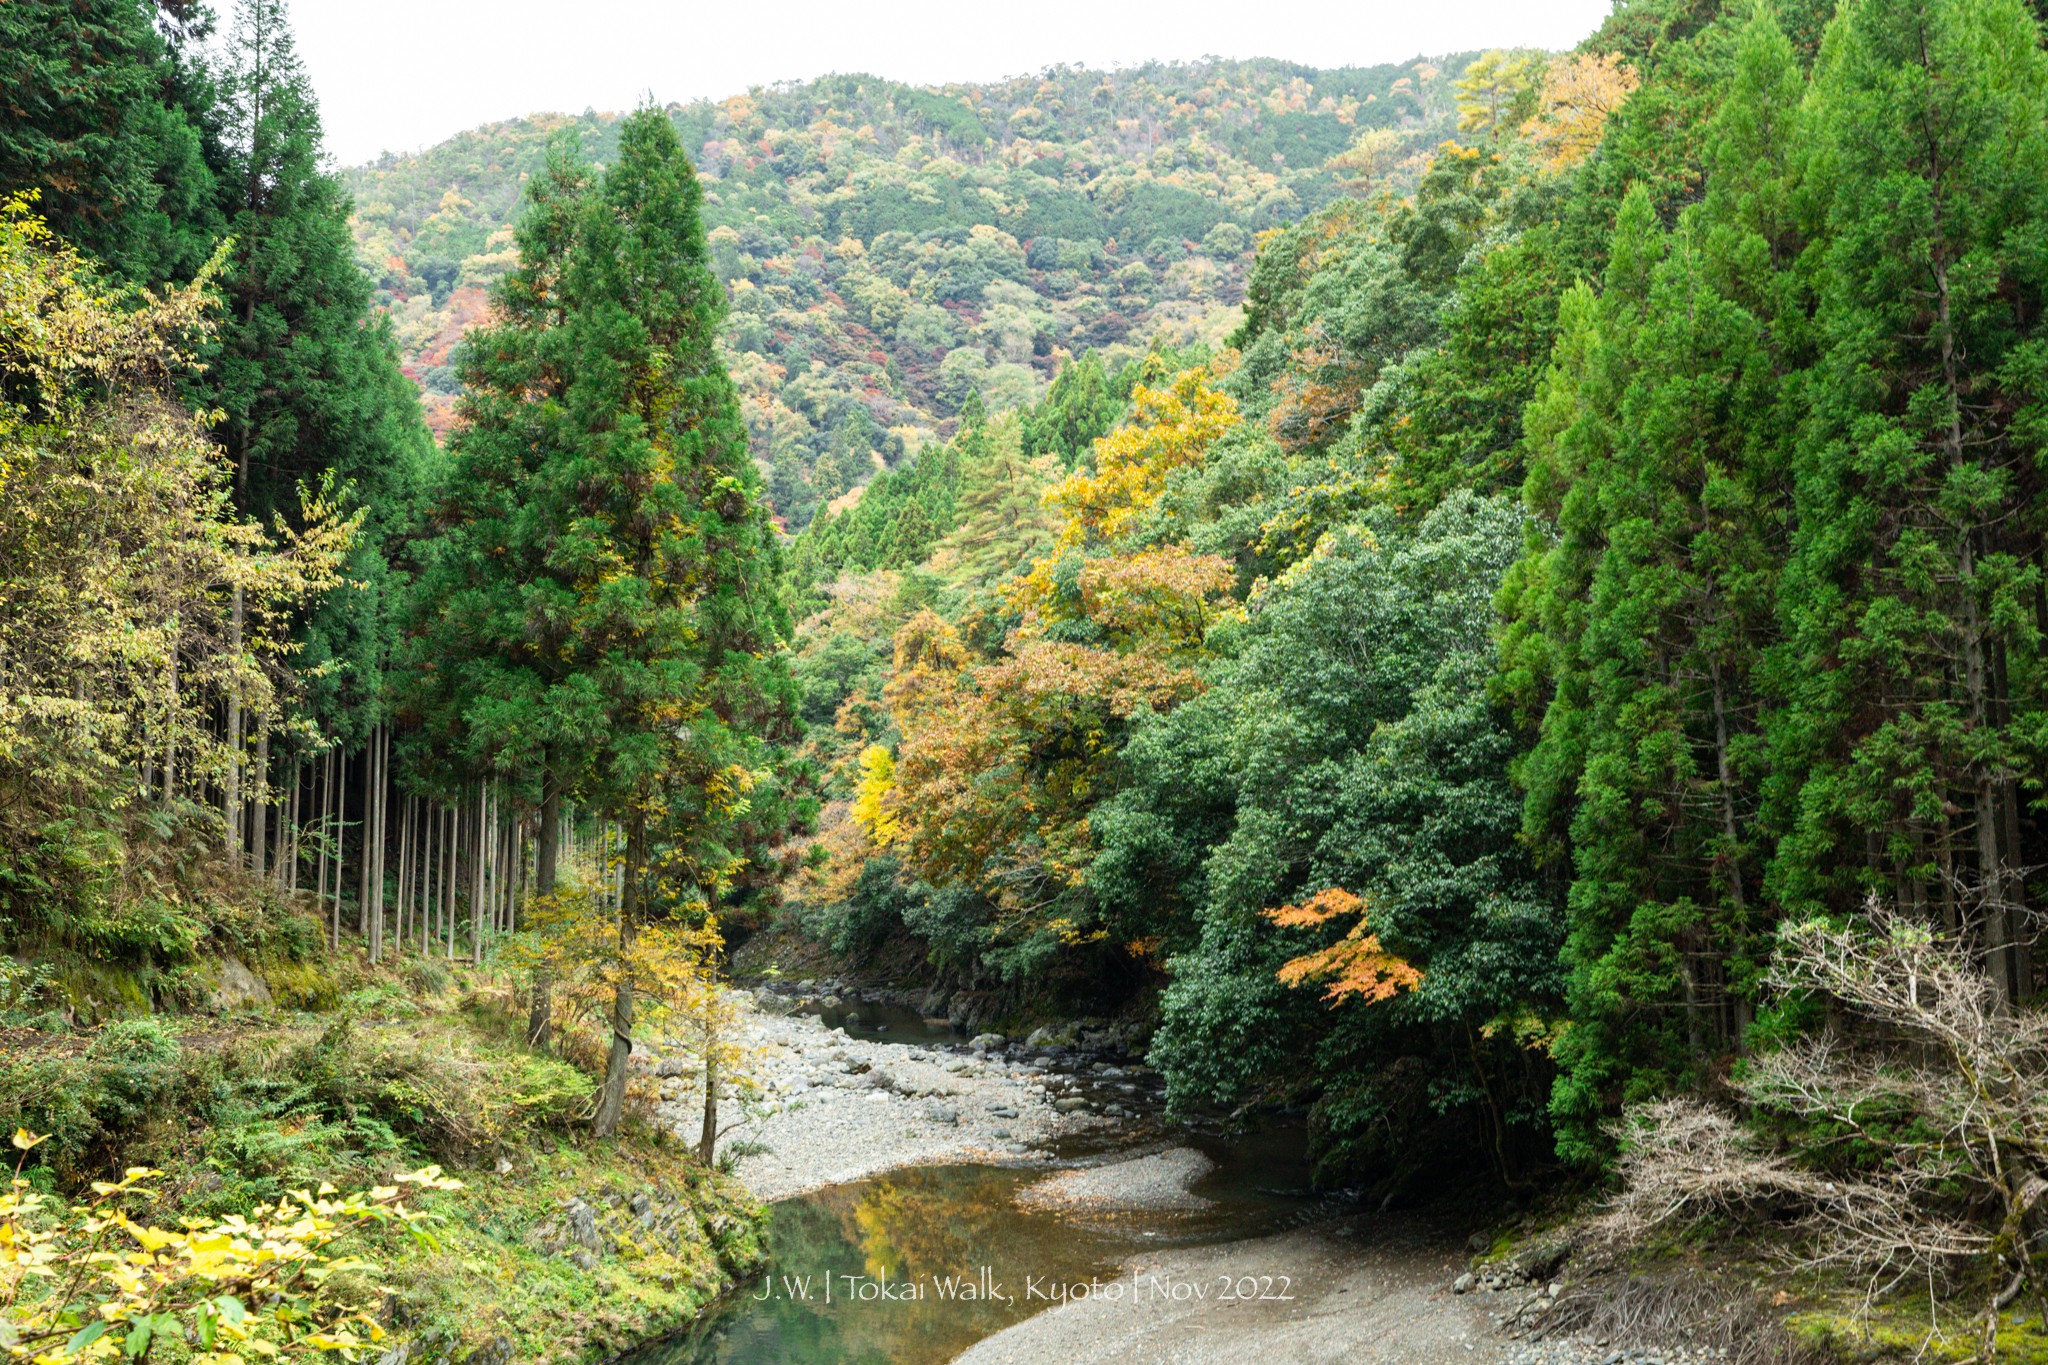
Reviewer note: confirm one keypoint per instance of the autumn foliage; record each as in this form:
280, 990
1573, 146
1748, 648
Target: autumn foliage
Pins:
1355, 966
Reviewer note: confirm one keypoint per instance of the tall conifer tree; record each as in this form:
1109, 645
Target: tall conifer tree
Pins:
1908, 752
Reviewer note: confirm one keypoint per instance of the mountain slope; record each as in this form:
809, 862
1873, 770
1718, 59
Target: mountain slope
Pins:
891, 248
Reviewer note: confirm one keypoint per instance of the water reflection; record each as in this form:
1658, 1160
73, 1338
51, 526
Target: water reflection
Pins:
908, 1268
897, 1270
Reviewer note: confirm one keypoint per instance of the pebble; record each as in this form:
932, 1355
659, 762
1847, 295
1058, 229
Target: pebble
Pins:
1579, 1351
918, 1105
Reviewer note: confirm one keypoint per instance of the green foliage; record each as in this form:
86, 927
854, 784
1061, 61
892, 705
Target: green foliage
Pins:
893, 251
1311, 764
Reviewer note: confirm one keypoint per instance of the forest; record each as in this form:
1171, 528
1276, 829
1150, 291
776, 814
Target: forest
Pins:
1495, 602
889, 250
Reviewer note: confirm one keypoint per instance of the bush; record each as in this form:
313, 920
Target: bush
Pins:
442, 1090
136, 1064
1930, 1097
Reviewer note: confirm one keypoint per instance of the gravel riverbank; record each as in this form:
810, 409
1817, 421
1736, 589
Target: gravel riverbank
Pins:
837, 1109
1352, 1288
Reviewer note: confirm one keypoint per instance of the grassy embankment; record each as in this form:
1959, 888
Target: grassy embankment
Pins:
145, 1040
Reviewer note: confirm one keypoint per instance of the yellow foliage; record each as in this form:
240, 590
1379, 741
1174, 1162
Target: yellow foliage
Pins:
872, 803
1171, 427
1376, 151
1495, 91
91, 1283
1355, 965
1580, 93
121, 546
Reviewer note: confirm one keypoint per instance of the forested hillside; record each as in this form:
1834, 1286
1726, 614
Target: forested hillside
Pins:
1498, 605
294, 728
1567, 574
890, 249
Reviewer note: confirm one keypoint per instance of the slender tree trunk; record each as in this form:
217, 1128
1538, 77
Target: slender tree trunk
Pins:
451, 837
261, 804
340, 835
611, 1101
290, 833
171, 728
404, 866
479, 889
545, 847
231, 794
382, 844
707, 1135
326, 783
363, 859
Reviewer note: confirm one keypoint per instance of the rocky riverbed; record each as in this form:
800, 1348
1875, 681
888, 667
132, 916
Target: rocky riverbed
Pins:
834, 1108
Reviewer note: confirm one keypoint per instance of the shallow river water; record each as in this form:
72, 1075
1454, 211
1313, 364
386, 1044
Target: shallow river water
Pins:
913, 1267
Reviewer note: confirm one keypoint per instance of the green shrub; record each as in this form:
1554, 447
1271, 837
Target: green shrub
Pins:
135, 1064
444, 1090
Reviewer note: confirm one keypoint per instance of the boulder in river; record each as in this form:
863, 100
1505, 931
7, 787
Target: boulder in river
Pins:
987, 1042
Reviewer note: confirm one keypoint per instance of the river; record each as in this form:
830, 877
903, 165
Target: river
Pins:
914, 1266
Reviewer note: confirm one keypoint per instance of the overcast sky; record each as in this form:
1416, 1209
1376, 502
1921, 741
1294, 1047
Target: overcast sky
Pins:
401, 74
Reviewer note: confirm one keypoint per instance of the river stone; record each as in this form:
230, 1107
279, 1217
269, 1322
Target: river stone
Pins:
1464, 1283
984, 1042
1070, 1104
942, 1113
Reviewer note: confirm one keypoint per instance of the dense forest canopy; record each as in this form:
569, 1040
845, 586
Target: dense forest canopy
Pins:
890, 249
1620, 542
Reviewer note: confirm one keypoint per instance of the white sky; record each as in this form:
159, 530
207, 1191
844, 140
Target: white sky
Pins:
402, 74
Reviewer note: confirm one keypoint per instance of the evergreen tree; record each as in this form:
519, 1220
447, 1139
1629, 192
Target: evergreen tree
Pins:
1079, 407
106, 125
488, 671
1657, 451
669, 563
1907, 750
308, 386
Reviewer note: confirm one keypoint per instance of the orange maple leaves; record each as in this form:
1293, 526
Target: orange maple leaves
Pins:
1355, 965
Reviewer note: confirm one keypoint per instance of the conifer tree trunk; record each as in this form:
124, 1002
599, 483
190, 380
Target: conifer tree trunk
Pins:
478, 881
231, 794
450, 856
363, 857
326, 780
291, 831
404, 866
545, 848
261, 804
340, 831
611, 1101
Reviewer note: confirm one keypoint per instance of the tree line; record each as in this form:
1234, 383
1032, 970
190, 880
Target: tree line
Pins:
266, 646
